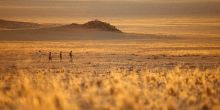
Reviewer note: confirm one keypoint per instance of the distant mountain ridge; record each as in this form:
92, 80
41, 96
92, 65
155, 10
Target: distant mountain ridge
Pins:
92, 30
5, 24
95, 24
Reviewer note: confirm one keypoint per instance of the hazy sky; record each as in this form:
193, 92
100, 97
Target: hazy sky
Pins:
128, 9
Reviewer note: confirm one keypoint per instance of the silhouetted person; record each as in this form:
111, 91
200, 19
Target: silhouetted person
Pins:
40, 54
71, 56
61, 56
50, 56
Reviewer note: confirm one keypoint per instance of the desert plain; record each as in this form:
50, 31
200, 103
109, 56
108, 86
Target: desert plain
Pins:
158, 72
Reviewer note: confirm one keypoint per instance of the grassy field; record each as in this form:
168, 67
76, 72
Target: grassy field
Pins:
151, 74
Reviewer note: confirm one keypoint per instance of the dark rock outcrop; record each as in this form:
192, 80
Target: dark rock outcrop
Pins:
96, 24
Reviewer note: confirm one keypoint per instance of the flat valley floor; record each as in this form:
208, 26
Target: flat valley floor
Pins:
101, 56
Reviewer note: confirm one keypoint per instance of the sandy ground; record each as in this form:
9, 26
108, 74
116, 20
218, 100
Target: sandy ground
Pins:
103, 56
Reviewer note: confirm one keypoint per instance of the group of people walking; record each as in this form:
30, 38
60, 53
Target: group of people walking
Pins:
61, 56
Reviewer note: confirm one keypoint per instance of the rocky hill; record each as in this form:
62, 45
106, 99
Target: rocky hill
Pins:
96, 24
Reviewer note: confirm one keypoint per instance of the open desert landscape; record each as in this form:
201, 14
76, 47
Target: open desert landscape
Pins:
109, 55
153, 73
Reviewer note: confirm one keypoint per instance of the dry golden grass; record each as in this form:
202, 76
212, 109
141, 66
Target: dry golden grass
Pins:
118, 90
111, 75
